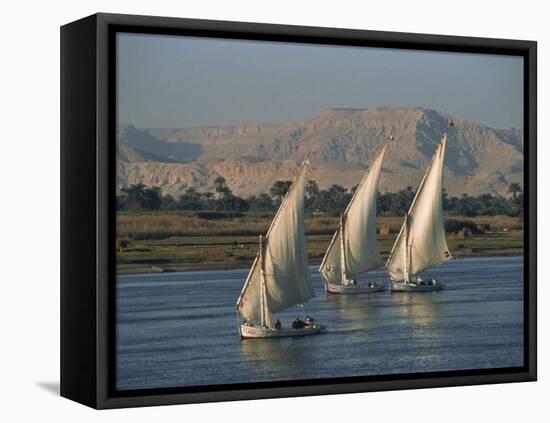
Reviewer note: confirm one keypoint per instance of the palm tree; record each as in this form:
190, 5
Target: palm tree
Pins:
221, 187
279, 189
312, 189
208, 196
514, 188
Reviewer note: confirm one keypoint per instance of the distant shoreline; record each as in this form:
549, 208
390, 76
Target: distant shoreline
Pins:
169, 243
136, 269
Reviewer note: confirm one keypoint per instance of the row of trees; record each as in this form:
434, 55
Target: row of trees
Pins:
331, 200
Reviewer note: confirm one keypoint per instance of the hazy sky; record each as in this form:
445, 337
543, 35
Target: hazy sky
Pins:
179, 82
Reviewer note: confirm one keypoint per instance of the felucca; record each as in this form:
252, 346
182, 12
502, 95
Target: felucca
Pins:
421, 242
279, 277
353, 249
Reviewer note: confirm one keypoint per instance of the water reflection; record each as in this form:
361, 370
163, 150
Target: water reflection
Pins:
168, 339
422, 308
281, 357
422, 318
355, 308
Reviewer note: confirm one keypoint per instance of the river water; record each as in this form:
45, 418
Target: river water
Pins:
180, 329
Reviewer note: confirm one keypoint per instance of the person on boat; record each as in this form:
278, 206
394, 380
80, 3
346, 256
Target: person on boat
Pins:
278, 324
298, 324
309, 321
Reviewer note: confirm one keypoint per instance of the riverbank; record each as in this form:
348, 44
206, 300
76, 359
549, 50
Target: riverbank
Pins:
186, 253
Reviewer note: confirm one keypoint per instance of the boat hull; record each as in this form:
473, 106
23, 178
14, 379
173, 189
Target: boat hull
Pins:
258, 332
433, 285
352, 290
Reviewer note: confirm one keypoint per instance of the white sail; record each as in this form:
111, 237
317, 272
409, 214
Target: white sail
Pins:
249, 302
360, 246
421, 242
331, 267
287, 279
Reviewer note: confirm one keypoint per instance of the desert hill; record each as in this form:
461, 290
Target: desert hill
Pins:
342, 142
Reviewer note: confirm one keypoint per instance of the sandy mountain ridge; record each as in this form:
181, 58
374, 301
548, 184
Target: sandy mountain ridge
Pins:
342, 143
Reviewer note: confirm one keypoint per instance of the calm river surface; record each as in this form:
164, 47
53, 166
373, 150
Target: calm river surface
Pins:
180, 329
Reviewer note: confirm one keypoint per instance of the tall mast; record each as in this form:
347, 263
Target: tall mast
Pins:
287, 195
413, 203
405, 238
278, 277
409, 250
342, 250
406, 250
265, 314
366, 174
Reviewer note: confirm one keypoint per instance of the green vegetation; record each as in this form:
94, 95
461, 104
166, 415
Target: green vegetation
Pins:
209, 230
329, 201
184, 241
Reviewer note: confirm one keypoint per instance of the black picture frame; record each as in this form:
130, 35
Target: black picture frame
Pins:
88, 213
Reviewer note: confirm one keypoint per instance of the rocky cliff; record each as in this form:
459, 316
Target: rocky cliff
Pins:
342, 143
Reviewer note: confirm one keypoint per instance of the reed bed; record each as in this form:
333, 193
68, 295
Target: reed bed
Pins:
162, 226
140, 227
